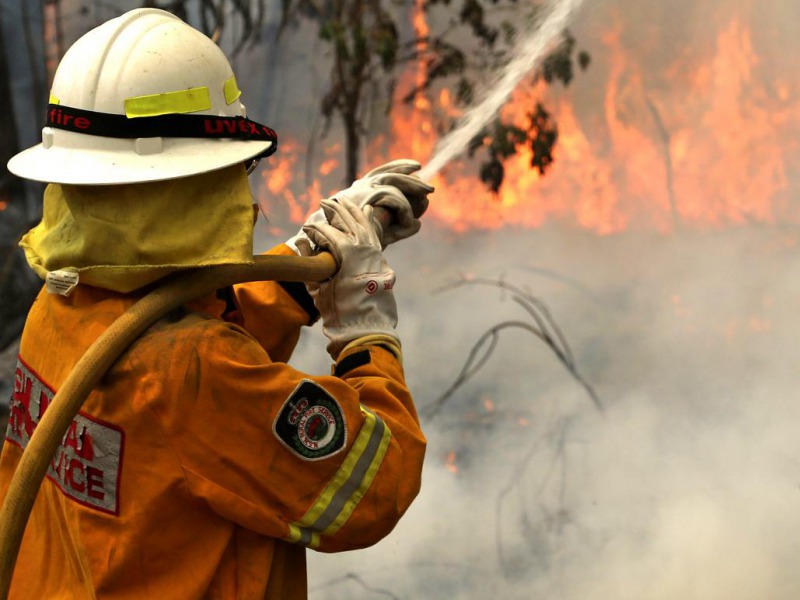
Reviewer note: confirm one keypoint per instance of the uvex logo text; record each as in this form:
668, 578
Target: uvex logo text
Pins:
235, 126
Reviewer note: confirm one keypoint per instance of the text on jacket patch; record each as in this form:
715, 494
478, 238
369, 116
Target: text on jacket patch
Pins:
86, 465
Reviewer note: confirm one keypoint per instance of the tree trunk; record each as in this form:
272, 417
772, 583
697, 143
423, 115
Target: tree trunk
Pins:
17, 286
352, 146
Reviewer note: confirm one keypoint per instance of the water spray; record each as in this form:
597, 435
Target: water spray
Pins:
555, 17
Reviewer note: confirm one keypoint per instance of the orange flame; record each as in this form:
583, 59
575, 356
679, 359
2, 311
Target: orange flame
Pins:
450, 463
694, 145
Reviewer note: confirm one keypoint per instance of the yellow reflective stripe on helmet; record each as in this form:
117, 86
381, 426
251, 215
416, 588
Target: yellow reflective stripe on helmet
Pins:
183, 101
232, 91
54, 100
343, 493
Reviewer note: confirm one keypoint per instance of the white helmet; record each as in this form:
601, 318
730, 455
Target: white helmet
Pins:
143, 97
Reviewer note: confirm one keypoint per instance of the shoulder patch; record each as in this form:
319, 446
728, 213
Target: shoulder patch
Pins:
311, 423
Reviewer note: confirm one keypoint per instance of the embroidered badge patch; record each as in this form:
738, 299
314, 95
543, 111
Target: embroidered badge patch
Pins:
311, 423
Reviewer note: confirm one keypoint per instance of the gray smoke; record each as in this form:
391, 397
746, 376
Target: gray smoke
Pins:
685, 487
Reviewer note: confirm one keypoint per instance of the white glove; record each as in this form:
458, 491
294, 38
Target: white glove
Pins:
390, 186
358, 300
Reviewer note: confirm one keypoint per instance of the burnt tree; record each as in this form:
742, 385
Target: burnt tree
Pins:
17, 285
367, 53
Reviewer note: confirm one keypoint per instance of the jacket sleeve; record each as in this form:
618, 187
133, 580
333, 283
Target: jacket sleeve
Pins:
328, 462
274, 311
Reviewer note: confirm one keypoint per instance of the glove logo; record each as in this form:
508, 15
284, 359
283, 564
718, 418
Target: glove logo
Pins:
311, 423
372, 286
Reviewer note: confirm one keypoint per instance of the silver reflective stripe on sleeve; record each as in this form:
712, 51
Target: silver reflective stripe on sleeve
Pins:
341, 496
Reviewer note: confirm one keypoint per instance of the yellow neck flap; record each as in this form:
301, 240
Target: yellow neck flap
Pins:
123, 237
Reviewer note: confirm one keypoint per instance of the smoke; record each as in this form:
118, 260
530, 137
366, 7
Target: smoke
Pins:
686, 486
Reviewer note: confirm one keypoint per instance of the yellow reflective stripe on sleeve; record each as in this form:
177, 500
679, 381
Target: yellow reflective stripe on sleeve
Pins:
344, 473
366, 481
341, 496
183, 101
231, 90
294, 534
54, 100
302, 535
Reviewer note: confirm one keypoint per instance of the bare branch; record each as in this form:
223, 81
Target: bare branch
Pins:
357, 578
544, 327
556, 439
665, 142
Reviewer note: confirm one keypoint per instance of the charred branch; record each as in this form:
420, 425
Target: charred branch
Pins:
33, 56
543, 327
354, 577
215, 18
365, 48
549, 521
665, 142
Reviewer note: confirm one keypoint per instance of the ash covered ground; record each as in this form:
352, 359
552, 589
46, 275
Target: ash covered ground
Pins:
686, 486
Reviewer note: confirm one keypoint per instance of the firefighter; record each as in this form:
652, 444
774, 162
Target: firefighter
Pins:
203, 465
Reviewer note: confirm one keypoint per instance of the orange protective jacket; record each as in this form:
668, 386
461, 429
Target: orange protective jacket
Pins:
204, 465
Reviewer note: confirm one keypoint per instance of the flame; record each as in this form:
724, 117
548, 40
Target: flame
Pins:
3, 205
760, 325
328, 166
702, 142
450, 462
50, 38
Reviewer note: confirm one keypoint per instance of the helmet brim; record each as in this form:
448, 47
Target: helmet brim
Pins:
179, 157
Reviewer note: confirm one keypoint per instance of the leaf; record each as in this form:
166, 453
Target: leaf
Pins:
449, 61
584, 58
476, 142
557, 66
492, 173
326, 31
472, 14
509, 32
542, 133
505, 139
464, 91
386, 44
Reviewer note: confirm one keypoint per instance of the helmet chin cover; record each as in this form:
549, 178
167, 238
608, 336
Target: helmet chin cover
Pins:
143, 97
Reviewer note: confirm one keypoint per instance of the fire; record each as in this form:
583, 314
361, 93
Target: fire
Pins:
450, 463
701, 142
3, 205
760, 325
328, 166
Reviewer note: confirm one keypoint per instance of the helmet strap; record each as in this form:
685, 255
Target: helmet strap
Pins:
171, 125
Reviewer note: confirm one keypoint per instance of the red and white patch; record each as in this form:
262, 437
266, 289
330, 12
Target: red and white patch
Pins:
86, 465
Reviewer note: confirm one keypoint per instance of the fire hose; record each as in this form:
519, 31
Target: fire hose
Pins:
105, 351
